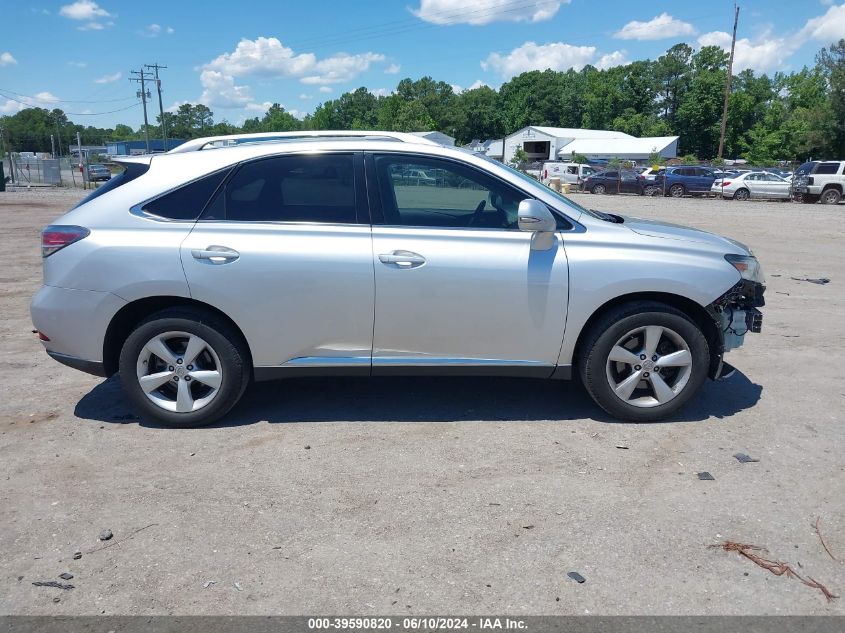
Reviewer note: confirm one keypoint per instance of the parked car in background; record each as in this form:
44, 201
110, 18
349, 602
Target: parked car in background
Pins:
195, 272
755, 184
819, 181
685, 180
98, 173
616, 181
569, 173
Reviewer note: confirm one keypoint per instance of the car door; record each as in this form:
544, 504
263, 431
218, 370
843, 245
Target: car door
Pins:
457, 283
756, 185
630, 183
284, 249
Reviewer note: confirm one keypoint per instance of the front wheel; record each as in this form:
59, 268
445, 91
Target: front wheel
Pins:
184, 368
644, 361
599, 189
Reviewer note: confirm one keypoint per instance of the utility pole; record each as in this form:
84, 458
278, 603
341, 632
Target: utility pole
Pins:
52, 146
144, 94
156, 67
728, 85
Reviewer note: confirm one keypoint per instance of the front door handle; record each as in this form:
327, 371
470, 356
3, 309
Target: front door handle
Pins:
216, 254
402, 259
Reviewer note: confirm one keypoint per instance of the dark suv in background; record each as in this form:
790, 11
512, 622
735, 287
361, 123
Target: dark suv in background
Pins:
680, 181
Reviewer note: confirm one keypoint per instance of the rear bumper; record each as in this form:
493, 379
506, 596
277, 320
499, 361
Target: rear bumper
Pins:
75, 321
94, 367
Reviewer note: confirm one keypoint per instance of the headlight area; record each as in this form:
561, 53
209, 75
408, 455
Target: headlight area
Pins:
735, 312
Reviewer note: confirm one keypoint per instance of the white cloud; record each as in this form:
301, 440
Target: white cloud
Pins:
84, 10
89, 12
107, 79
263, 56
660, 27
6, 59
555, 55
219, 90
616, 58
765, 54
305, 97
78, 64
259, 107
486, 11
268, 57
95, 26
41, 100
175, 106
826, 28
154, 30
341, 68
393, 69
381, 92
476, 84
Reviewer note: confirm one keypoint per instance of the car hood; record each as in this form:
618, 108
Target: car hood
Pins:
665, 230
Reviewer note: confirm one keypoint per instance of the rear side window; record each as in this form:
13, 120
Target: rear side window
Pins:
298, 188
130, 173
187, 202
827, 168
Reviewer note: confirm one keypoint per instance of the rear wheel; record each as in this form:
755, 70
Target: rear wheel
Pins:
644, 361
831, 196
677, 191
742, 194
184, 368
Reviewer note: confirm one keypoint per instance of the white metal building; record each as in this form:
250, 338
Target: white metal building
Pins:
552, 143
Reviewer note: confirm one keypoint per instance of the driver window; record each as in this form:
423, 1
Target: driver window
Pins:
436, 193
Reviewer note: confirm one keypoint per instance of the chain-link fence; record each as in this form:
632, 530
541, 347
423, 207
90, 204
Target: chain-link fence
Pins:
28, 170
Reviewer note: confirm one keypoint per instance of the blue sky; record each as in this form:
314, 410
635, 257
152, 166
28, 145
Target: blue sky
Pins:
242, 56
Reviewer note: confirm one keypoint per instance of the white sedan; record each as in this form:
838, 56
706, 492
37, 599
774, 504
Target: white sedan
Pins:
753, 184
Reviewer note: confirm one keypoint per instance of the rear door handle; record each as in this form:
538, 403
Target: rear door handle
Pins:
402, 259
216, 254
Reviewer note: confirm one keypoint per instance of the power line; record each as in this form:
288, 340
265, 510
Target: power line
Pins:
43, 103
20, 94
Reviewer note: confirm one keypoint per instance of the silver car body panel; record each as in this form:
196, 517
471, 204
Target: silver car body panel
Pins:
317, 297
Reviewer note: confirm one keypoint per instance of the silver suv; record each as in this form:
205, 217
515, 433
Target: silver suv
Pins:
247, 258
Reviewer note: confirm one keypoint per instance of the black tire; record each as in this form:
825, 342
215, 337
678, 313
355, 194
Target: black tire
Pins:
831, 196
599, 190
742, 195
677, 191
603, 336
227, 344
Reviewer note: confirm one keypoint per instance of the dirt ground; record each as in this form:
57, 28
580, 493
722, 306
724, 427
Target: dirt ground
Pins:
410, 496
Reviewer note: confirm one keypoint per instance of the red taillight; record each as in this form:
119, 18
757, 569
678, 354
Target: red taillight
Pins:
725, 183
56, 237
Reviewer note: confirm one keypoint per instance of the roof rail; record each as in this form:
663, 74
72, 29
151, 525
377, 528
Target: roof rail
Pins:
231, 140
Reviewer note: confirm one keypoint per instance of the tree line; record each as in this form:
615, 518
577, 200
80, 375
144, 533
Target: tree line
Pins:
786, 116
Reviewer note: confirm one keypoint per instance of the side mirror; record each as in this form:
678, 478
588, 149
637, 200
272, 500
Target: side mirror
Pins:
535, 217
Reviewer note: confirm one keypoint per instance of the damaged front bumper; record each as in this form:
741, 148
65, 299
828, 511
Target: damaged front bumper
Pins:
734, 314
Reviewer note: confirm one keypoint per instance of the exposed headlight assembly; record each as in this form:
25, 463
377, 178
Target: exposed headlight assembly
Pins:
748, 267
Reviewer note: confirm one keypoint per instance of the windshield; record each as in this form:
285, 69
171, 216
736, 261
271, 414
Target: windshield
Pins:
535, 183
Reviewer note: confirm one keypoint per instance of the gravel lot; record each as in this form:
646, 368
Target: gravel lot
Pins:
410, 496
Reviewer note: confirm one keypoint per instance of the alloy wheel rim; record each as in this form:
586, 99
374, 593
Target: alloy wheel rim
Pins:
599, 189
830, 197
677, 192
179, 372
649, 366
